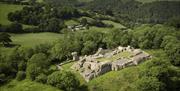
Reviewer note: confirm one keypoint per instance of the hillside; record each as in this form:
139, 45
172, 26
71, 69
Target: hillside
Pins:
155, 12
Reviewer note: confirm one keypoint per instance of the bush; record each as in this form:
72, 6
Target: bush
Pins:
42, 78
12, 28
21, 75
36, 65
63, 80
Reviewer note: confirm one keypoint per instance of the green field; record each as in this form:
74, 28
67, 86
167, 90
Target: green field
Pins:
27, 85
32, 39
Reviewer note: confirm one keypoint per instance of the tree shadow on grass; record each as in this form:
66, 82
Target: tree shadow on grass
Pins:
83, 88
10, 45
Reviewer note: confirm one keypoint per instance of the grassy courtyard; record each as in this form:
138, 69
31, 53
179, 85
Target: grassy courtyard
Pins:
125, 54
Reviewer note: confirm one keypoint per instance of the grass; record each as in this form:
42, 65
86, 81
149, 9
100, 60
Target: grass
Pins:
122, 80
33, 39
115, 80
67, 66
30, 40
116, 25
5, 9
88, 18
71, 22
27, 85
125, 54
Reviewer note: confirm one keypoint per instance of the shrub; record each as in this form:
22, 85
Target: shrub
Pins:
63, 80
42, 78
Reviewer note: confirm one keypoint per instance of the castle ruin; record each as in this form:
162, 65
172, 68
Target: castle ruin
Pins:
89, 66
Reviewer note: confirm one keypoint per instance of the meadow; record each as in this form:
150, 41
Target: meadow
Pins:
33, 39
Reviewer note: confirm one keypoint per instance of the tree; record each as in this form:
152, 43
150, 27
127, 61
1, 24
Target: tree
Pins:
113, 38
15, 28
174, 21
63, 80
5, 39
33, 71
52, 25
36, 65
83, 21
89, 47
61, 51
171, 45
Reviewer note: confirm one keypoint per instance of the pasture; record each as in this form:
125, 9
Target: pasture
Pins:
33, 39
